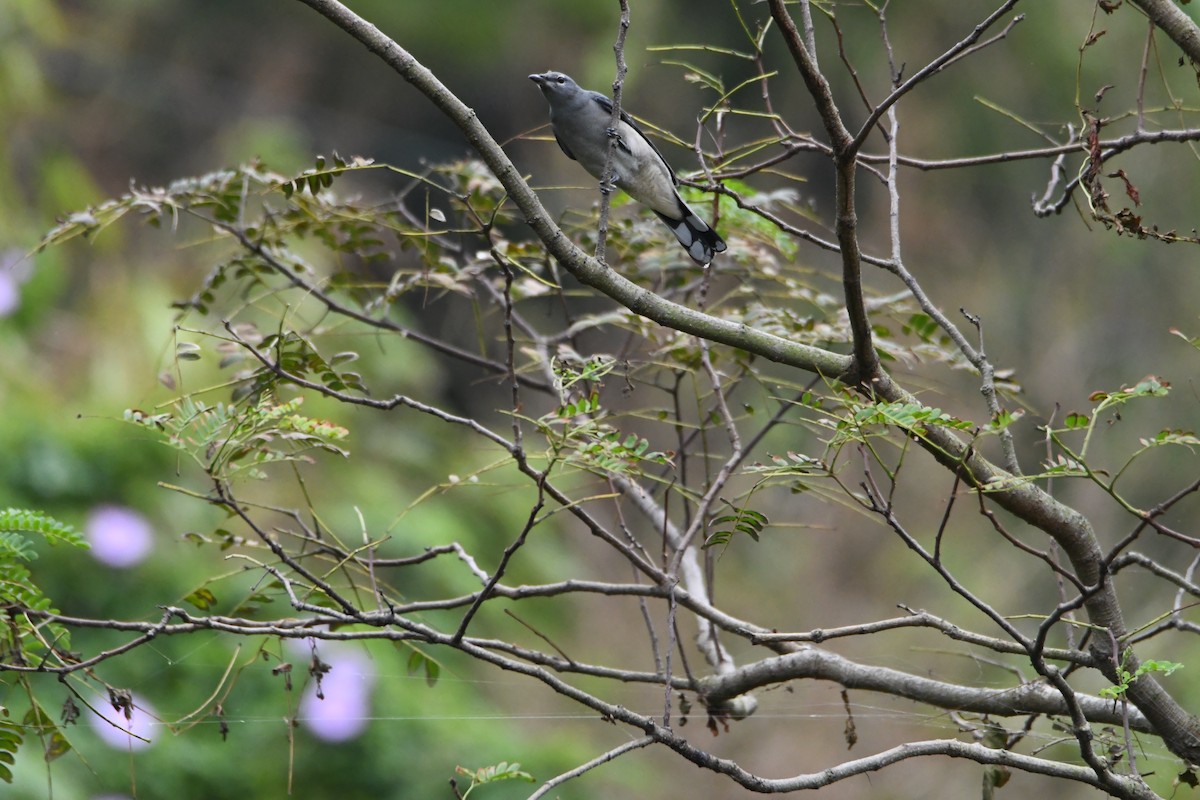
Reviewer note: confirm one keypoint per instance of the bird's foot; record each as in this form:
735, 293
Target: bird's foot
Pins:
607, 187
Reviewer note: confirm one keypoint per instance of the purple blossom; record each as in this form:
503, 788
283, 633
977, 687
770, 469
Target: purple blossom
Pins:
346, 709
120, 536
13, 272
115, 731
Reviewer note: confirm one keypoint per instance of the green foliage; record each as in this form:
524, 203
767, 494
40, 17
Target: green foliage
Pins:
1179, 437
567, 376
11, 739
319, 177
419, 662
1073, 461
1125, 677
753, 225
912, 417
295, 238
36, 724
923, 327
1004, 419
296, 244
581, 407
202, 598
13, 545
743, 520
577, 433
604, 449
493, 774
794, 468
40, 724
876, 419
242, 204
14, 521
1076, 420
27, 639
230, 439
298, 357
1150, 386
792, 465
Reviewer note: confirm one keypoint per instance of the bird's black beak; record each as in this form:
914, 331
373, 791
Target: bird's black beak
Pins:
538, 78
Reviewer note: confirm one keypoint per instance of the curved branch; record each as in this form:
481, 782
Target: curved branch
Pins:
1069, 528
1075, 535
866, 364
1179, 26
1116, 785
716, 691
599, 760
382, 323
585, 268
930, 69
923, 619
533, 664
813, 663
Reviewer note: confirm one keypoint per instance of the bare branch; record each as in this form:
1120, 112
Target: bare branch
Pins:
604, 758
1175, 23
815, 664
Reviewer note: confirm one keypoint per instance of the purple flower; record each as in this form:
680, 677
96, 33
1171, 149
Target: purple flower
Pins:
124, 734
120, 536
346, 709
13, 272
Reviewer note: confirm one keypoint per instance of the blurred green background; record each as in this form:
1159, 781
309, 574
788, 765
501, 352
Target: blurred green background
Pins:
94, 95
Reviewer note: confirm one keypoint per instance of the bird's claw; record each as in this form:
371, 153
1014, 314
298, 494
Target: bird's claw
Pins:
606, 187
615, 135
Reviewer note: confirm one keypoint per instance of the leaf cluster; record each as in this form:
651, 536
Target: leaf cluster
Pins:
23, 639
231, 439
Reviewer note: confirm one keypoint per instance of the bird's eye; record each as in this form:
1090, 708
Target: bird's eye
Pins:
562, 79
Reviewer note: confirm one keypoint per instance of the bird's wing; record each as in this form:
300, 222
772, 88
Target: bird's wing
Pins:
606, 104
564, 147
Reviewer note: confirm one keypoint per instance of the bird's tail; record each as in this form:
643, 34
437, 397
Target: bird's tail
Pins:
701, 241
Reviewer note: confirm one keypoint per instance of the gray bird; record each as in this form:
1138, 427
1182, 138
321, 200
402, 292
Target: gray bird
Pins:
582, 121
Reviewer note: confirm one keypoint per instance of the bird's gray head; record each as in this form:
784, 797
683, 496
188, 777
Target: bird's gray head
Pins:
555, 84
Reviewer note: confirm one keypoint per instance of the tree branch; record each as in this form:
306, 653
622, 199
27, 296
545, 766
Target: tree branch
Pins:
815, 664
1068, 527
1175, 23
586, 269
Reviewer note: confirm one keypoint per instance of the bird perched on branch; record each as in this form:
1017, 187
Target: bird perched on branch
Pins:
582, 124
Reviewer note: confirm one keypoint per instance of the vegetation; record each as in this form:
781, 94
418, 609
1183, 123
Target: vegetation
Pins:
417, 458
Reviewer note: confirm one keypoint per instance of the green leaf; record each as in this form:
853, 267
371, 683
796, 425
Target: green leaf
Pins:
38, 720
57, 745
419, 662
189, 351
10, 742
744, 520
922, 326
1076, 420
55, 532
1185, 438
202, 599
493, 774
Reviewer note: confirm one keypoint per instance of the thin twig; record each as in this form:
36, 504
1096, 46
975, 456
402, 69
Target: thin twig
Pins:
599, 760
606, 178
